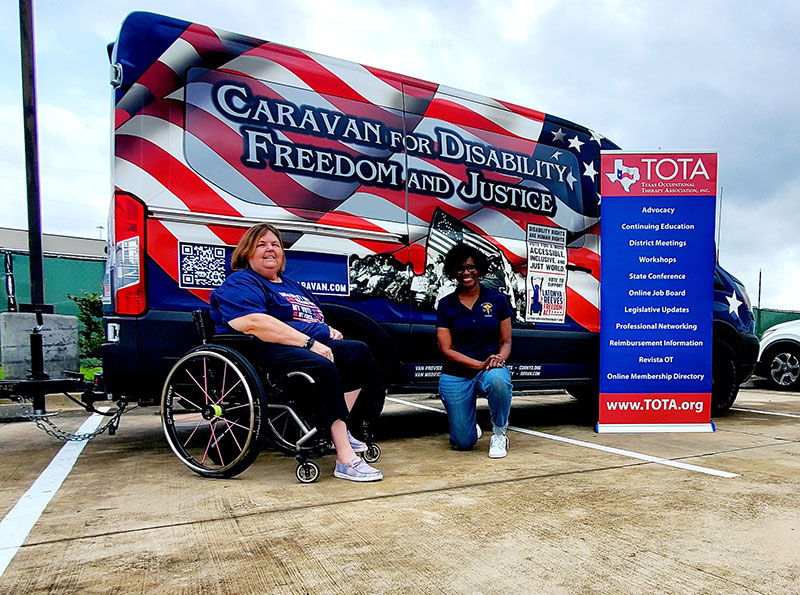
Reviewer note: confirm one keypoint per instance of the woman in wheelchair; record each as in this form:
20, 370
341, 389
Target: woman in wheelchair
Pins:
257, 299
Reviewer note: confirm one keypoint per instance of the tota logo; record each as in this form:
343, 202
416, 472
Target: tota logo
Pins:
487, 309
626, 176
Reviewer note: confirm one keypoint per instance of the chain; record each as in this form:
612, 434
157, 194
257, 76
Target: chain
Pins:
44, 423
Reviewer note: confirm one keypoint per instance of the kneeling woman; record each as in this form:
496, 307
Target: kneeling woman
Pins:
257, 299
474, 333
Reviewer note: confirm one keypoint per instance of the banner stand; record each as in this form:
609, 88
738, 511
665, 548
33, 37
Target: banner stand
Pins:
656, 291
652, 428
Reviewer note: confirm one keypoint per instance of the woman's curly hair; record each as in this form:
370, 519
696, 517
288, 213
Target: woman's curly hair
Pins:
458, 254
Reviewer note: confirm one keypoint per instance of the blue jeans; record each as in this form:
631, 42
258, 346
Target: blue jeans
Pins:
459, 396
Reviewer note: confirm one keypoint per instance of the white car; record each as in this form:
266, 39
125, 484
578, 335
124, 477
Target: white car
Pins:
779, 356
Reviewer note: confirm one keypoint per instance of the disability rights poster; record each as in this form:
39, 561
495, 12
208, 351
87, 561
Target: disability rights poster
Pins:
657, 277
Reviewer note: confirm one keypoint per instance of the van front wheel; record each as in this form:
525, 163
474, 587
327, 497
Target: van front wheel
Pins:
724, 379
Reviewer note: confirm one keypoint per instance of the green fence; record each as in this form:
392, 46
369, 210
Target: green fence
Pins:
62, 276
766, 317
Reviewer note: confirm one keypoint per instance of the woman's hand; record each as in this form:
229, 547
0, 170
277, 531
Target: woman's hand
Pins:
322, 349
493, 361
335, 335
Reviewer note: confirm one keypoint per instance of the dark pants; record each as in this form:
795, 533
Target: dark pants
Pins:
352, 367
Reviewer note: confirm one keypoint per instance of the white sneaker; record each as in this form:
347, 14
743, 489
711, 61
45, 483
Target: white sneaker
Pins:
480, 432
498, 446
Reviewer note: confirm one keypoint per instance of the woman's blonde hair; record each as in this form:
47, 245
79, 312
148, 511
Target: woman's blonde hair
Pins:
247, 246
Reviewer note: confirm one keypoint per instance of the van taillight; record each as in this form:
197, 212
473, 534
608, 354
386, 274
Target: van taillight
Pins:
128, 265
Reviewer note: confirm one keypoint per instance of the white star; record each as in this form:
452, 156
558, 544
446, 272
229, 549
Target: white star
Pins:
556, 155
733, 303
588, 170
574, 143
558, 135
571, 179
596, 137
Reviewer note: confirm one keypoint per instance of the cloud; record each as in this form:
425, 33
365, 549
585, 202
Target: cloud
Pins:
74, 177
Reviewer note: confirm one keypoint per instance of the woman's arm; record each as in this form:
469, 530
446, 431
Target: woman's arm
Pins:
505, 339
499, 359
493, 361
445, 340
271, 330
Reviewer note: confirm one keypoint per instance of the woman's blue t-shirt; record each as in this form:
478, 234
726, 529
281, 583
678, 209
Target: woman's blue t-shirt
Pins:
247, 292
476, 331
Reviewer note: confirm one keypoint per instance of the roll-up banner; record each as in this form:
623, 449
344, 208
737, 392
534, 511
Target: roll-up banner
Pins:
656, 300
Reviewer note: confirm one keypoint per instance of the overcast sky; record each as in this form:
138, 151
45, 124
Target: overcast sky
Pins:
693, 75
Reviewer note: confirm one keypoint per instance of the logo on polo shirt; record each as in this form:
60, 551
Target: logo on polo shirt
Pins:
487, 309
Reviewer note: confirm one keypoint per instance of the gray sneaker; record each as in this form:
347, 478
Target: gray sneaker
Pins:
498, 446
356, 470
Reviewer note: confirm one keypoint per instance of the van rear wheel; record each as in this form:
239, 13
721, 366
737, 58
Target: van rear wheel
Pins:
588, 398
724, 379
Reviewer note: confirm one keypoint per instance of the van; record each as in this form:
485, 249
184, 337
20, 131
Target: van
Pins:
371, 176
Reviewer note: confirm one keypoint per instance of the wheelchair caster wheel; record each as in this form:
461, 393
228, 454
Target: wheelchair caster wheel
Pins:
307, 472
373, 453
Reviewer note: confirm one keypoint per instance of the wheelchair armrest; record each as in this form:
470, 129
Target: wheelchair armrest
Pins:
233, 339
205, 329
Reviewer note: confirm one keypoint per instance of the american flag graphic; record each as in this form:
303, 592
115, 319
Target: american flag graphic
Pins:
446, 232
181, 154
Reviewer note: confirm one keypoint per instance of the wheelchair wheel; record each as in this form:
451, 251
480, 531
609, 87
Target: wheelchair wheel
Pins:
373, 453
211, 411
307, 472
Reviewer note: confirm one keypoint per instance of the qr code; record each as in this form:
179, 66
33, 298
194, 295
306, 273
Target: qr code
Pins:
201, 266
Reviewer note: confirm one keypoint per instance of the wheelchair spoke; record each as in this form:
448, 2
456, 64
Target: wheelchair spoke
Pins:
193, 404
200, 423
224, 376
205, 378
205, 392
231, 432
216, 443
233, 423
237, 406
187, 417
238, 382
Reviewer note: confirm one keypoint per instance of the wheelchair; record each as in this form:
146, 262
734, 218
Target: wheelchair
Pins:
218, 410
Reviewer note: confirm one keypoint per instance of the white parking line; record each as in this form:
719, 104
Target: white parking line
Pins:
417, 405
609, 449
17, 524
765, 412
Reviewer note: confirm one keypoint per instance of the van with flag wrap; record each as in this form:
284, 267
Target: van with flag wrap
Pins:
371, 176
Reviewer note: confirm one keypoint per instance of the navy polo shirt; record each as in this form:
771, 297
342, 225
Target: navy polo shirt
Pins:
247, 292
476, 331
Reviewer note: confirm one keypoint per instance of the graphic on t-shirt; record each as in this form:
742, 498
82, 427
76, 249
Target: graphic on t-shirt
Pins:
302, 307
487, 309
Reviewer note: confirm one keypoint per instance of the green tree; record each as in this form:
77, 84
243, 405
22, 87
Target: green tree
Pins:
90, 315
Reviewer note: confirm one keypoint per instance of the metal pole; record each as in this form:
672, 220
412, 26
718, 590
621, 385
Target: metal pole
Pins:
31, 152
34, 207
